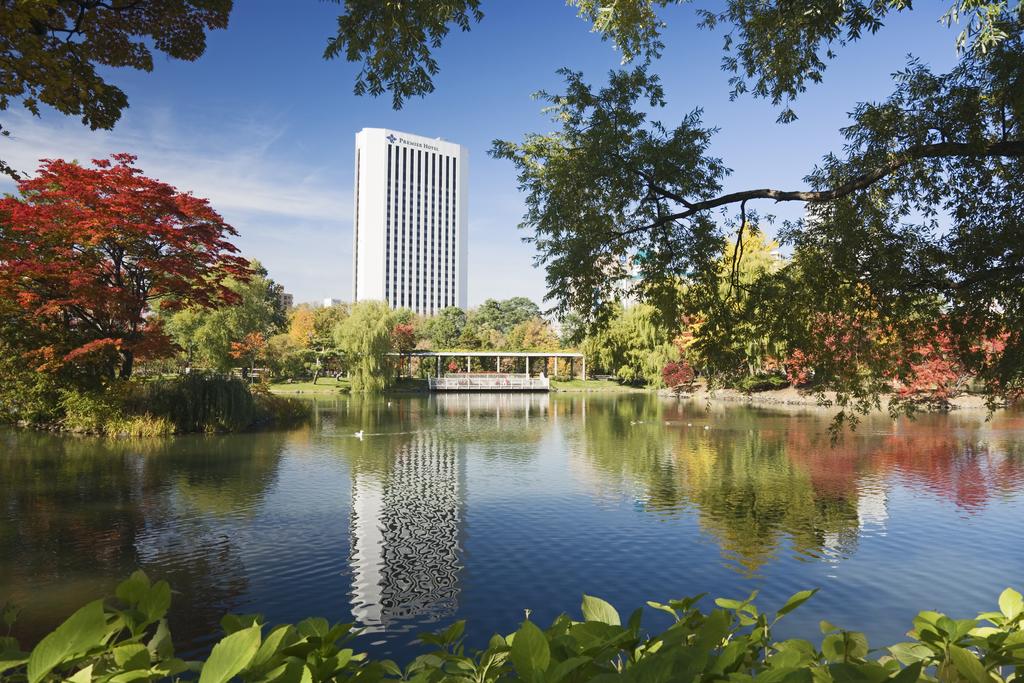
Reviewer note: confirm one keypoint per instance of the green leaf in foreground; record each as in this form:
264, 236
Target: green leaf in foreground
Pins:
231, 655
82, 631
11, 660
530, 651
99, 644
1011, 603
795, 601
596, 609
968, 665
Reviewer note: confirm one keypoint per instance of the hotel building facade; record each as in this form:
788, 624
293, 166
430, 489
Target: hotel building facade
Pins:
410, 221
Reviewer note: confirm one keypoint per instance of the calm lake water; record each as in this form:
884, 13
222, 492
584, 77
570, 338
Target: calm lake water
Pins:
477, 507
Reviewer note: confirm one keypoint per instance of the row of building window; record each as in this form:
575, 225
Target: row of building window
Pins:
412, 177
355, 265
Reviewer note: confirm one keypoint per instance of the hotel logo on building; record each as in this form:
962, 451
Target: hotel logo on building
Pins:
392, 138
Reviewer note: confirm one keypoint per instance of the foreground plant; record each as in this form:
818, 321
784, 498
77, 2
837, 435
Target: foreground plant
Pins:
126, 639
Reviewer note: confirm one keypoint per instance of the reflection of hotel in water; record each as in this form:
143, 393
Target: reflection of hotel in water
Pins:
406, 534
407, 514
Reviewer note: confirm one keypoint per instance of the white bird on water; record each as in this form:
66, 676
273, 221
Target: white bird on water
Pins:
359, 435
706, 427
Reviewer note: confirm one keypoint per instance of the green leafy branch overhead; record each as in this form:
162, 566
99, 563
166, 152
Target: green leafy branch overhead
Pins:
773, 49
52, 51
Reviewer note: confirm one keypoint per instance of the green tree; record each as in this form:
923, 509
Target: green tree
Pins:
573, 329
534, 334
445, 328
327, 318
612, 188
488, 325
472, 335
365, 338
502, 316
773, 50
288, 359
54, 52
327, 355
634, 345
206, 335
746, 342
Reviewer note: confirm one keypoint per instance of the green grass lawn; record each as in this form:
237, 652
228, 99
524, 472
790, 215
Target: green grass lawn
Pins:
592, 385
324, 385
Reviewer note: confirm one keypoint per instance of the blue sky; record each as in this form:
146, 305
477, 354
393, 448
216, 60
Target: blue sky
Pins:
264, 127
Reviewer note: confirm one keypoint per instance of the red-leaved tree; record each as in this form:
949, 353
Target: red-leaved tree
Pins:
86, 252
252, 349
942, 368
403, 338
678, 375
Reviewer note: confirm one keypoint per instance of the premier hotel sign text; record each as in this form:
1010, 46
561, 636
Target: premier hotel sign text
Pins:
392, 138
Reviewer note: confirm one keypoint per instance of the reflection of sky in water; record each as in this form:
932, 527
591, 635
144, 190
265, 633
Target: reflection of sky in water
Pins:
480, 506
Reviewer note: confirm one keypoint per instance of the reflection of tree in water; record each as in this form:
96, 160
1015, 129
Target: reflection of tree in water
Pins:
215, 486
407, 516
80, 513
744, 489
757, 477
749, 494
373, 415
71, 506
626, 443
954, 457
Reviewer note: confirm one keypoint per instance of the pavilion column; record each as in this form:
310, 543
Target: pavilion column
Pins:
469, 368
584, 362
439, 366
555, 373
498, 366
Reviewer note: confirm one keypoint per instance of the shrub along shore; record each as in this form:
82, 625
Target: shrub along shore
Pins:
157, 407
126, 638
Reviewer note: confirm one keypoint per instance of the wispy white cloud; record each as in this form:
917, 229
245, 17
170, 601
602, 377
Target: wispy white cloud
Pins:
292, 214
238, 172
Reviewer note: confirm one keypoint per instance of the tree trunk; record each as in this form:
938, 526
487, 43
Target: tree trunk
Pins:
127, 364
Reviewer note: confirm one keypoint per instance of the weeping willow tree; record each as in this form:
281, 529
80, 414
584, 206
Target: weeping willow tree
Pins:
365, 339
634, 346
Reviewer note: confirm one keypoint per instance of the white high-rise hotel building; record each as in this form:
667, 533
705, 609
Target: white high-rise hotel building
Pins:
410, 221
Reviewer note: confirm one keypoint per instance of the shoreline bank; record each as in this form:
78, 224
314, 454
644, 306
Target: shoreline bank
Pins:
797, 398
